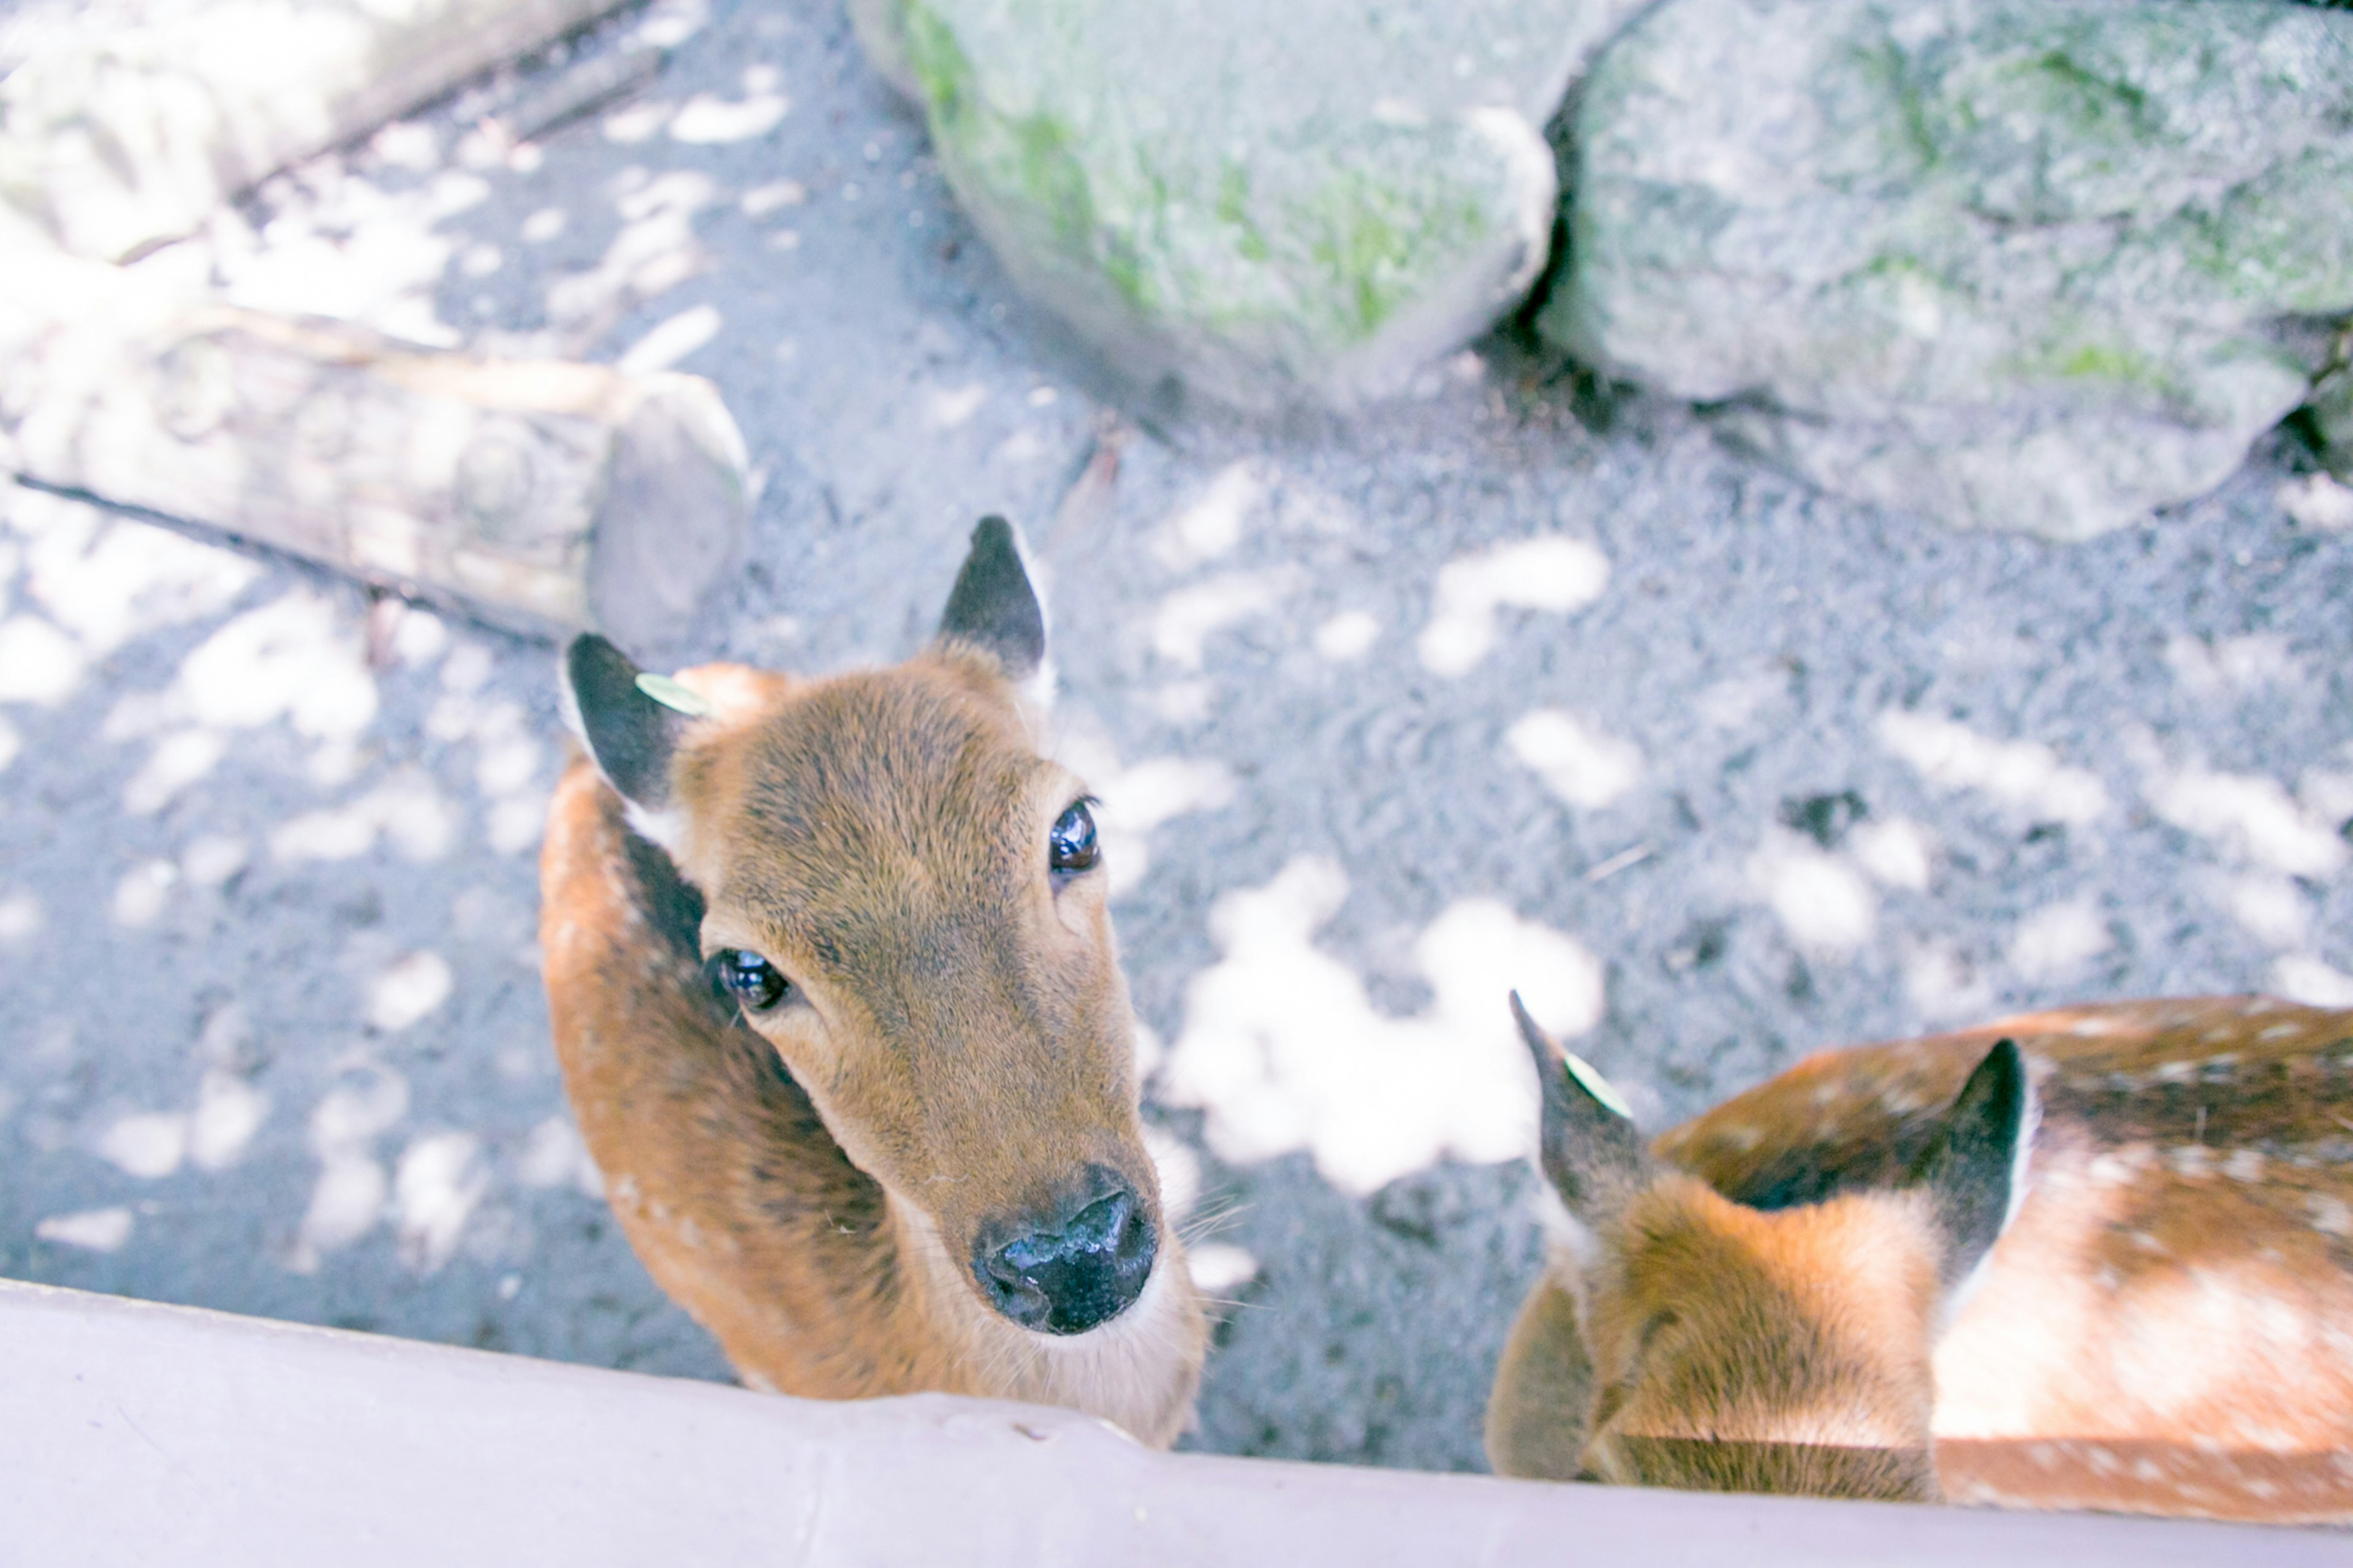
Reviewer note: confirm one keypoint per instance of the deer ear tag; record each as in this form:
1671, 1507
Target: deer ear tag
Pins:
673, 696
1590, 1078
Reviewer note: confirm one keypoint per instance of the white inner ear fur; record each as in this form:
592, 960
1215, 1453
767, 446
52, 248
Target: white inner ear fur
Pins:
666, 829
1037, 688
2021, 1154
1575, 1246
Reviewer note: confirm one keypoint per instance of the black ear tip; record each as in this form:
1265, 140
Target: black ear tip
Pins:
993, 532
591, 655
2005, 1065
1540, 1044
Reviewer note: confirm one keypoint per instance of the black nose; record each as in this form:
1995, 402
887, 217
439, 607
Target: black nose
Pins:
1083, 1266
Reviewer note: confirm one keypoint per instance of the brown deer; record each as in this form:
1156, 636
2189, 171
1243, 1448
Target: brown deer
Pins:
834, 987
2098, 1258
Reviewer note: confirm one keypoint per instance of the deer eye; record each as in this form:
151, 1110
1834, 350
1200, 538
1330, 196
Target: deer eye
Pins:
1071, 847
755, 981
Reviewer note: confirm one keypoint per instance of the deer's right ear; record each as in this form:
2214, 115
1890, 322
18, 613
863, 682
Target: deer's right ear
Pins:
1974, 1173
1590, 1148
631, 735
993, 606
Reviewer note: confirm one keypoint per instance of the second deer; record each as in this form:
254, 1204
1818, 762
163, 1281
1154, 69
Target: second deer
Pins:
2099, 1257
834, 988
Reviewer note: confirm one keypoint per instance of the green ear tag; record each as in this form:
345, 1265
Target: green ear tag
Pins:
673, 696
1586, 1074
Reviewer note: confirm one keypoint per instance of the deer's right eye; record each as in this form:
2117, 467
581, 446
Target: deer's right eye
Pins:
756, 983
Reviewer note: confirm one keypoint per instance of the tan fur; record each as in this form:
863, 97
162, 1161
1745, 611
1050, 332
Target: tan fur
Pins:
2167, 1328
809, 1184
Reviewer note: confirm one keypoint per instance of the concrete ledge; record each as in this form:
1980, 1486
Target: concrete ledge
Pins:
134, 1433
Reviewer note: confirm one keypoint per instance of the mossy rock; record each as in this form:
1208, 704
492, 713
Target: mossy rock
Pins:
2042, 265
1272, 204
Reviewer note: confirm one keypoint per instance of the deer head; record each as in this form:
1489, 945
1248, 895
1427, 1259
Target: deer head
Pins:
1736, 1349
905, 899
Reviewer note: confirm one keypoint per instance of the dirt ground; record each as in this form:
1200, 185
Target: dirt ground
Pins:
1718, 769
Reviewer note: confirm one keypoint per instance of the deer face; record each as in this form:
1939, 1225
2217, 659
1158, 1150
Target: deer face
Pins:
1733, 1349
905, 899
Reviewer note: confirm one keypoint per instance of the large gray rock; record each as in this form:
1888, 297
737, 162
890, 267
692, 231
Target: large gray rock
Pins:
2028, 264
1313, 198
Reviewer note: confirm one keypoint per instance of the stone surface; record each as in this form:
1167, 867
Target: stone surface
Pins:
2331, 413
1270, 202
2012, 263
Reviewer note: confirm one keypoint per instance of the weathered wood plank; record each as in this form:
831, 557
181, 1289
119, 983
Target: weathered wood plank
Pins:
125, 142
542, 495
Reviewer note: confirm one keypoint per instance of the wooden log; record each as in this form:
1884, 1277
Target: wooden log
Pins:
120, 144
543, 496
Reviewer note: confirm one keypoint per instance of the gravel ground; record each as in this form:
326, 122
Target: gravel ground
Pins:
1797, 773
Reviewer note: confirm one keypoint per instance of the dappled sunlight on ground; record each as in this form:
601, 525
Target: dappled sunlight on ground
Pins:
1515, 684
1285, 1050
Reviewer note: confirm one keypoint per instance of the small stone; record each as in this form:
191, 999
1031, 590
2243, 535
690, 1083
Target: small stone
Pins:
2036, 265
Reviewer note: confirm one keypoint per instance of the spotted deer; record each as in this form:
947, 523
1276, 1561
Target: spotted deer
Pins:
2098, 1258
834, 991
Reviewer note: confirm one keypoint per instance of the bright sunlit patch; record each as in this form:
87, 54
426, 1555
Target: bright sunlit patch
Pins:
20, 917
408, 992
1577, 762
1821, 901
2024, 774
38, 663
1188, 618
2250, 814
1219, 1270
150, 1145
1348, 635
948, 407
142, 893
1212, 524
706, 119
293, 660
1285, 1050
348, 1200
408, 811
2268, 909
670, 341
178, 760
12, 744
554, 1156
1896, 852
229, 1112
2241, 664
2300, 977
774, 197
2055, 942
92, 1230
442, 1179
1557, 574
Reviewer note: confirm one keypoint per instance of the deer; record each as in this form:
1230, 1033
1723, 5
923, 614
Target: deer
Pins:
839, 1013
2095, 1258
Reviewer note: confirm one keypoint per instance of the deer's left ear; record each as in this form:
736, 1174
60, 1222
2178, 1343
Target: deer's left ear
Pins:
994, 607
1590, 1146
632, 724
1974, 1174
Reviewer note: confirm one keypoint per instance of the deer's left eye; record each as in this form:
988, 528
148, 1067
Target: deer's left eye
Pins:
1071, 848
756, 983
